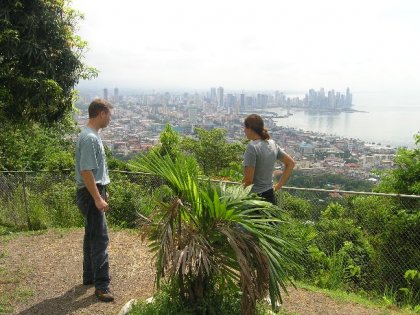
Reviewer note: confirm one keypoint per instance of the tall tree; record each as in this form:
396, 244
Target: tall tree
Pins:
405, 177
40, 60
169, 142
212, 151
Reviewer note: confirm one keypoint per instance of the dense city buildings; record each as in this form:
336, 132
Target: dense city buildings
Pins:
332, 101
138, 120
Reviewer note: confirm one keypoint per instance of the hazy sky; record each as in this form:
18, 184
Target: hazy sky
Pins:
265, 44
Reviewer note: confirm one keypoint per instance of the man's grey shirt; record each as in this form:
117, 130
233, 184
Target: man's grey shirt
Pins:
90, 155
262, 155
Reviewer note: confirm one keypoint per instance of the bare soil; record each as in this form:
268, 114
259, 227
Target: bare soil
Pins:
50, 266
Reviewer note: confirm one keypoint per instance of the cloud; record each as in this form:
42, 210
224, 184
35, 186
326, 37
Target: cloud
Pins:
242, 44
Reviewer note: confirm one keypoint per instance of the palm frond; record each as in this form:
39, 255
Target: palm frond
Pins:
203, 231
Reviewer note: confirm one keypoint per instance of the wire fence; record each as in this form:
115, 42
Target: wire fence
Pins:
356, 241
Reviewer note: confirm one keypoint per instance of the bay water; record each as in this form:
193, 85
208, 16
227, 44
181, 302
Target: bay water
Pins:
381, 118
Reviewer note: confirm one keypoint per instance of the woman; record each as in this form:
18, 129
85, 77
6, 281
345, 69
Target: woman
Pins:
259, 158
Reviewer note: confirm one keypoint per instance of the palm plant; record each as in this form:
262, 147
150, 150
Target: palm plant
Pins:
203, 231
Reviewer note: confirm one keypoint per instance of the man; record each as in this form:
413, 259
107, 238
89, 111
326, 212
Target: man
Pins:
92, 178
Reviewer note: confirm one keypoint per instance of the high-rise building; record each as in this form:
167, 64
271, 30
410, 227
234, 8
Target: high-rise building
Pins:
116, 96
242, 102
322, 99
220, 97
312, 98
349, 98
262, 100
213, 95
105, 94
249, 102
331, 99
230, 102
197, 99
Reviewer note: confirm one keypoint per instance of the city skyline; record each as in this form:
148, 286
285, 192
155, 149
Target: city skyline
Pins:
286, 46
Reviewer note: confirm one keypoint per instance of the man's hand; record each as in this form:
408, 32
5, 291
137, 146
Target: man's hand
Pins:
276, 187
101, 205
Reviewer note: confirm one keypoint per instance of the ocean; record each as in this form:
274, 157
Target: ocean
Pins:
385, 119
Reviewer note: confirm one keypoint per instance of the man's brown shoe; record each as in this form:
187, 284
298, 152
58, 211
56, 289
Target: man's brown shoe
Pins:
104, 295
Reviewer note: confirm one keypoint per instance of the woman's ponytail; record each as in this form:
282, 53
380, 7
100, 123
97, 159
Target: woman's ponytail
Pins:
264, 134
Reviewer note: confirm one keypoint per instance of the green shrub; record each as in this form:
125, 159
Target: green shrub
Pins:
298, 208
59, 202
13, 212
127, 201
224, 300
372, 213
399, 249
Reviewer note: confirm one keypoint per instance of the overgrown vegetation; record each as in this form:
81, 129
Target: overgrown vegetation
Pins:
360, 244
223, 302
304, 179
41, 60
210, 238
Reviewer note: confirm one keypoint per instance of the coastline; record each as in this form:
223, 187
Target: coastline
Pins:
393, 128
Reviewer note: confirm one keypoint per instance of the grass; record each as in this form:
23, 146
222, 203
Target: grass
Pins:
342, 296
7, 234
166, 307
8, 298
10, 288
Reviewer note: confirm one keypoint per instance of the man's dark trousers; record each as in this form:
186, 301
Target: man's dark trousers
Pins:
95, 242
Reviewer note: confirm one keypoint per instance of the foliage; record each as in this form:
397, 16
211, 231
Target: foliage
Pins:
372, 213
169, 142
411, 293
212, 151
40, 60
408, 296
205, 232
234, 172
298, 208
47, 201
114, 163
40, 63
167, 301
12, 208
57, 200
334, 275
222, 302
404, 178
128, 202
399, 248
334, 229
301, 178
34, 147
333, 211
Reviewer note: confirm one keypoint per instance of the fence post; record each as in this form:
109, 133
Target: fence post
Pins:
25, 200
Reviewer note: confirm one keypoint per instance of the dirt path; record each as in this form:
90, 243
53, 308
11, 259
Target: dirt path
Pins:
48, 268
52, 265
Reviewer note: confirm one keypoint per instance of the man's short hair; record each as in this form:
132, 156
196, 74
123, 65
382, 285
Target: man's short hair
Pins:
99, 105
